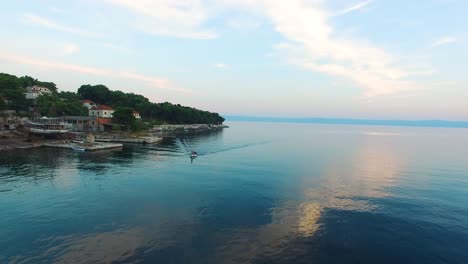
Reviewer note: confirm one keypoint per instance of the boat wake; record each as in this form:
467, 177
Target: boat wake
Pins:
232, 148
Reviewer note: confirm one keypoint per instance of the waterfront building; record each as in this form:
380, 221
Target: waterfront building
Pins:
101, 111
82, 123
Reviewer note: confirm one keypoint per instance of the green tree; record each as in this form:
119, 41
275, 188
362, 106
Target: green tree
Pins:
3, 105
97, 93
53, 105
124, 116
26, 81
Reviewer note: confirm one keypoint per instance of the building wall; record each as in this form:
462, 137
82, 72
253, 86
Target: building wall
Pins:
101, 113
32, 95
88, 105
35, 91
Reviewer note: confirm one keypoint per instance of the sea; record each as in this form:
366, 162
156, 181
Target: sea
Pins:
257, 193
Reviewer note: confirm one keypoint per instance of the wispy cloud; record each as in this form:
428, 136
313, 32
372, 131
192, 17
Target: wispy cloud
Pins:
155, 82
56, 10
118, 48
353, 8
220, 65
47, 23
182, 19
443, 41
314, 44
243, 23
68, 49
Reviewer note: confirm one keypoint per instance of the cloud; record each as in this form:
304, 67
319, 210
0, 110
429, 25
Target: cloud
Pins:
48, 65
117, 48
155, 82
243, 23
311, 42
354, 8
44, 22
69, 49
220, 65
182, 19
55, 9
443, 41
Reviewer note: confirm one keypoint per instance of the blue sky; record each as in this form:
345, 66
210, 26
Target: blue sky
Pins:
296, 58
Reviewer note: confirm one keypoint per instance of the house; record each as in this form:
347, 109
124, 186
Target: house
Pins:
82, 123
136, 115
32, 92
101, 111
4, 99
106, 125
88, 104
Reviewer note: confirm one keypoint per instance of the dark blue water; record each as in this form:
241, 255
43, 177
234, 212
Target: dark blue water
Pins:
258, 193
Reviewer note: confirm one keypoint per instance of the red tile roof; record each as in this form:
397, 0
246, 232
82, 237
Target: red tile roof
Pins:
102, 107
104, 121
87, 101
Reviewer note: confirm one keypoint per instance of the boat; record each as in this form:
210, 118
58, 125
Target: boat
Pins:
48, 126
79, 149
193, 156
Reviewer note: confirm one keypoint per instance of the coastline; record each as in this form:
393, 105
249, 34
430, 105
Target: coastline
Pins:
12, 140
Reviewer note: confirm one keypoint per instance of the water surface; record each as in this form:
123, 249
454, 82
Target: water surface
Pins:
258, 193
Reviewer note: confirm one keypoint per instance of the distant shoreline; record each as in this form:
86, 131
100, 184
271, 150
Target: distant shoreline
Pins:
350, 121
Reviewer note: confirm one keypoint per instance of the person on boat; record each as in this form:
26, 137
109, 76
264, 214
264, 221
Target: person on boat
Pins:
194, 153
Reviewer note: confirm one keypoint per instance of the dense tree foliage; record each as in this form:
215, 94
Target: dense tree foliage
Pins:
124, 116
13, 88
3, 104
162, 112
55, 105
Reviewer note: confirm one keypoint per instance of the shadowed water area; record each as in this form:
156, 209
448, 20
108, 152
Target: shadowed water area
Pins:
257, 193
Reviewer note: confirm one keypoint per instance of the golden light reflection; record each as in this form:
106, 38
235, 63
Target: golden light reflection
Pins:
369, 173
289, 221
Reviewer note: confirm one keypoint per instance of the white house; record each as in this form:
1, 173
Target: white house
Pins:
88, 104
136, 115
35, 91
101, 111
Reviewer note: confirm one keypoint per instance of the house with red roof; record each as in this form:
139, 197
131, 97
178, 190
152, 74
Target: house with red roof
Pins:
32, 92
102, 111
88, 103
136, 114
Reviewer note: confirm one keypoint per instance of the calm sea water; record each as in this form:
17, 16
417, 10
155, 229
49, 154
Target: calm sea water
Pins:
258, 193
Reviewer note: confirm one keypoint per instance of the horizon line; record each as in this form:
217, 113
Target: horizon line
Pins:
351, 121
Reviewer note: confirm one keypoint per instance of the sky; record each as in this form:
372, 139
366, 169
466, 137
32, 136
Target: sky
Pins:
381, 59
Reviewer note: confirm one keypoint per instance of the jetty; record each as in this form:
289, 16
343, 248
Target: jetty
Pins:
172, 130
134, 140
79, 146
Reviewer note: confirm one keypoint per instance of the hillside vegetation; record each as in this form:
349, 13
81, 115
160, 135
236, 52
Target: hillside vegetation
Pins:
59, 103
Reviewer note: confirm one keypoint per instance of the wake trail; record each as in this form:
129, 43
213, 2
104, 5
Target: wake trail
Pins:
233, 148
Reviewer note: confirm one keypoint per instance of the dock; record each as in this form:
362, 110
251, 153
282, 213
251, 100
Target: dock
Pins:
83, 147
134, 140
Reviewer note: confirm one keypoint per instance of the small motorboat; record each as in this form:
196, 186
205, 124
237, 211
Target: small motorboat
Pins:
79, 149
